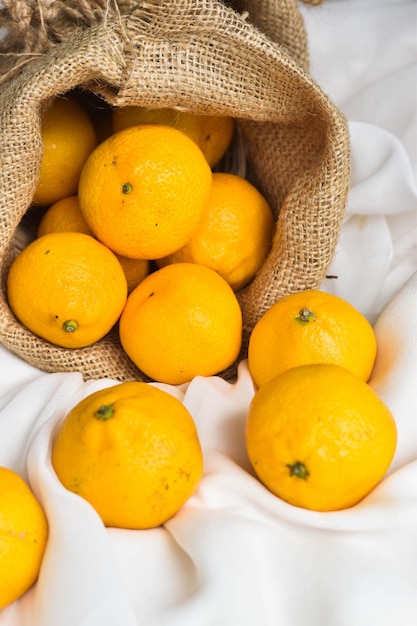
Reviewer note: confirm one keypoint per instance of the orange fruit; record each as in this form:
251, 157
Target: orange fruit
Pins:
135, 270
311, 327
67, 288
213, 134
319, 437
132, 451
66, 216
68, 137
143, 191
234, 235
23, 537
181, 321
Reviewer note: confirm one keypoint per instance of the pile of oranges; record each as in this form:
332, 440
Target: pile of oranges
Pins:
138, 232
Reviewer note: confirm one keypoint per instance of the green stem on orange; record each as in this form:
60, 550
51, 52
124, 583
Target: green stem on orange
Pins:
70, 326
306, 315
127, 188
104, 412
299, 470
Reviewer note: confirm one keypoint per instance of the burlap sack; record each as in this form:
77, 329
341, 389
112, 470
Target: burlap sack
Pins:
207, 57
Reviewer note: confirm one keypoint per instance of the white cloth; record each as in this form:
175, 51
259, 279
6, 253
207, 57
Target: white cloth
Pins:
235, 554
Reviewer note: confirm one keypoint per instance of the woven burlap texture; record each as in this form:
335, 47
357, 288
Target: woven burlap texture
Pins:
207, 57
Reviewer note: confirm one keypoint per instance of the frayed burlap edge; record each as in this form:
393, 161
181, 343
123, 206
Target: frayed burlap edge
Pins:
31, 27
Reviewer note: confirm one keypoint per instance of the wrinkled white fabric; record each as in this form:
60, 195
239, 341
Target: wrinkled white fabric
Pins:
235, 554
364, 55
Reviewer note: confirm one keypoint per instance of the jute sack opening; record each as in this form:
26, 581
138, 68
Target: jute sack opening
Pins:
206, 57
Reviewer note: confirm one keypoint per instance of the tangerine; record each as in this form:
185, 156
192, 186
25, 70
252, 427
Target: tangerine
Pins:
319, 437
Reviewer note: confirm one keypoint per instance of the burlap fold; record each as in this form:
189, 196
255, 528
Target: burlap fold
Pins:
211, 58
